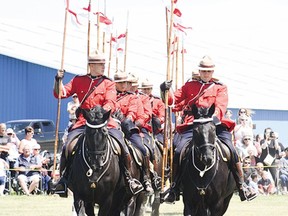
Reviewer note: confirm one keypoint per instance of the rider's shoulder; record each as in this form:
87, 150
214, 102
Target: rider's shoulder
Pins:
217, 81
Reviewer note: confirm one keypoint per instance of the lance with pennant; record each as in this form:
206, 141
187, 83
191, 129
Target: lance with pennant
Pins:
166, 123
60, 92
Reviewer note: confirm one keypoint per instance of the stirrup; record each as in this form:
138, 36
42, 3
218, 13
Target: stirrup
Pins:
135, 190
156, 183
247, 194
147, 185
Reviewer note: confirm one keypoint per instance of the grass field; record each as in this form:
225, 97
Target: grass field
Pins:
53, 205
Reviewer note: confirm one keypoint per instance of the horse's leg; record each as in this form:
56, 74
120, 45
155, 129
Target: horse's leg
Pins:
89, 208
141, 204
156, 204
105, 207
79, 207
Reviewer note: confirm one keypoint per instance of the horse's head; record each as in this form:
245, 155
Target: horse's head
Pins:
204, 134
96, 134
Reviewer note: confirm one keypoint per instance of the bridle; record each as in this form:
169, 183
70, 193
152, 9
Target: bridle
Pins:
104, 155
214, 163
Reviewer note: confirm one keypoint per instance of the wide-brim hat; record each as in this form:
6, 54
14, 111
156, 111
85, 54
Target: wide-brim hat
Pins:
206, 63
120, 76
133, 79
146, 84
96, 58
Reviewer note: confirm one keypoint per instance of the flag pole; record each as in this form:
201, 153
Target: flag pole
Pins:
104, 33
88, 35
183, 61
126, 41
166, 124
60, 92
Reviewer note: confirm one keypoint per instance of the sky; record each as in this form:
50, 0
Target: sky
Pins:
247, 40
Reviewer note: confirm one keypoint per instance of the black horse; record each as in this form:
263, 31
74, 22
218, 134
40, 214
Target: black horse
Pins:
207, 182
96, 176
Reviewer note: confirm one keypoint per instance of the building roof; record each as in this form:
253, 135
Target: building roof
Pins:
254, 67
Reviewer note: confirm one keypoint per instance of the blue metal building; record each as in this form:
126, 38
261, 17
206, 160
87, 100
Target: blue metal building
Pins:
27, 91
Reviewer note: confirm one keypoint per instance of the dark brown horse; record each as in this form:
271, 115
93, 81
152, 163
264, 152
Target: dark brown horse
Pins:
96, 173
207, 182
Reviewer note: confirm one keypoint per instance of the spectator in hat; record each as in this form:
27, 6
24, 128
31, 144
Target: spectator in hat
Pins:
128, 105
210, 91
94, 82
71, 108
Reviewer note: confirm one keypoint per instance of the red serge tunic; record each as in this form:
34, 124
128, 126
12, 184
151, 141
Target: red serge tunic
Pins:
212, 92
103, 95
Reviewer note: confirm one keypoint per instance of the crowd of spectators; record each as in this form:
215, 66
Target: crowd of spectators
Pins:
264, 158
21, 160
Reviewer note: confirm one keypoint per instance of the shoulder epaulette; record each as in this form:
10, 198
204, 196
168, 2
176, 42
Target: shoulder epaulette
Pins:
156, 97
129, 92
105, 77
216, 81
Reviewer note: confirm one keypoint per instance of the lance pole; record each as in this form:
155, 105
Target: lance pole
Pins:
60, 92
88, 36
126, 41
166, 124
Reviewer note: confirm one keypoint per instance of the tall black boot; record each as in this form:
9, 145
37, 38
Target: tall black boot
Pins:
238, 176
146, 176
174, 191
61, 186
134, 185
156, 181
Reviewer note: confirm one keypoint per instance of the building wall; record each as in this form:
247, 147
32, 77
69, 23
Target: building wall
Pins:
26, 91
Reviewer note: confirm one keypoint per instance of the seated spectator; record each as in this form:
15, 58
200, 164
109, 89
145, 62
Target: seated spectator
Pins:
246, 148
3, 166
29, 166
284, 171
13, 143
265, 186
28, 140
253, 183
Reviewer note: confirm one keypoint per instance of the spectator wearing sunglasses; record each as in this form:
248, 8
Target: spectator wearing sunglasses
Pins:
243, 112
246, 149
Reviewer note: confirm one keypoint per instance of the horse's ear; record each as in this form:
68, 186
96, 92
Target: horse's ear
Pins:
211, 110
195, 111
106, 115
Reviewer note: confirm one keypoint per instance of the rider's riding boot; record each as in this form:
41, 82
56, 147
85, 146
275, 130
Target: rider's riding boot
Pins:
146, 176
238, 176
134, 185
61, 186
156, 179
174, 191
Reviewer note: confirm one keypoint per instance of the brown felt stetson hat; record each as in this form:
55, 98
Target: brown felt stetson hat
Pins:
206, 63
120, 76
96, 58
146, 84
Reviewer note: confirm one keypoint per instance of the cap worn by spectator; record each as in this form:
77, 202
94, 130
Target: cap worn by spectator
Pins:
9, 131
36, 146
